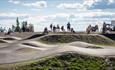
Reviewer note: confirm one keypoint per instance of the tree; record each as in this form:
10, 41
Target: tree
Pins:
17, 21
17, 25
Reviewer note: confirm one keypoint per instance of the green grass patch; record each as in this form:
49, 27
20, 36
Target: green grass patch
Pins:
67, 61
67, 38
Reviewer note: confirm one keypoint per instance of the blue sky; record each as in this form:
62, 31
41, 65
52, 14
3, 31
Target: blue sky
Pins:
41, 13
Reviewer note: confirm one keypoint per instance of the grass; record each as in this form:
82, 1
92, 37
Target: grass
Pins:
65, 38
67, 61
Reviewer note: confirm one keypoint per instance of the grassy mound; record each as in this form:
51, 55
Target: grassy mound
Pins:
68, 61
94, 39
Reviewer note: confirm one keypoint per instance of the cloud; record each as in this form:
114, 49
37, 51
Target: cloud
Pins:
83, 6
111, 1
78, 19
88, 4
38, 4
13, 14
14, 1
103, 4
70, 6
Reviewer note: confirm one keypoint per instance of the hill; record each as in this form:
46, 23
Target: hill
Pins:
67, 38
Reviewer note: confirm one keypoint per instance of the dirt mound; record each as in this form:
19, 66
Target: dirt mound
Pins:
67, 38
85, 45
35, 36
9, 38
25, 51
2, 41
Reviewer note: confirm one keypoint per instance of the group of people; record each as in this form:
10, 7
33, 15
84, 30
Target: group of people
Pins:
106, 28
25, 27
90, 29
58, 28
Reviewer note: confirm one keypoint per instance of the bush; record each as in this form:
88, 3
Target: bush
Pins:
68, 61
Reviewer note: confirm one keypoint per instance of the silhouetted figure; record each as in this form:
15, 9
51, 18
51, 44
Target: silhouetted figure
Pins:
62, 29
72, 30
88, 30
51, 27
104, 28
58, 28
9, 31
45, 30
54, 29
95, 28
108, 29
68, 26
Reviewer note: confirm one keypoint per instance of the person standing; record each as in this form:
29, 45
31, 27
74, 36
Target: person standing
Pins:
88, 30
58, 28
54, 29
62, 28
51, 27
96, 28
72, 30
68, 26
9, 31
104, 28
45, 30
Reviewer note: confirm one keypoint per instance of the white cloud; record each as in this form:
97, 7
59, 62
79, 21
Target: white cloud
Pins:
38, 4
77, 19
95, 13
89, 3
70, 6
86, 4
79, 6
111, 1
14, 1
13, 14
65, 17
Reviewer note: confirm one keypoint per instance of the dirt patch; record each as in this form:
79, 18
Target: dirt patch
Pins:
9, 39
94, 47
1, 41
25, 51
34, 36
29, 44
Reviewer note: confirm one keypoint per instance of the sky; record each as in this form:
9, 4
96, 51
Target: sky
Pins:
41, 13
